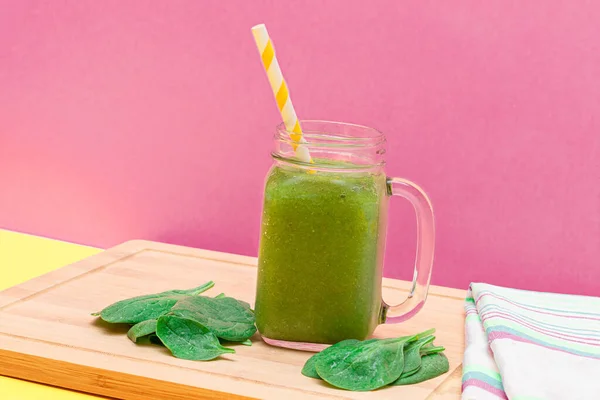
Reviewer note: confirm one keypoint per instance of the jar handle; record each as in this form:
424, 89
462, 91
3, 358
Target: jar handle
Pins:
425, 245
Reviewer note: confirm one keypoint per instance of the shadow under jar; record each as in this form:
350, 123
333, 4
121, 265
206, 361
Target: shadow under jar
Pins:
323, 234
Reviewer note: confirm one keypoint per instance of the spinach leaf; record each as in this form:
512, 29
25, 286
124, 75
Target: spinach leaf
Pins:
412, 355
188, 339
432, 366
228, 318
310, 369
364, 366
246, 342
427, 350
152, 306
246, 305
155, 339
141, 329
345, 354
242, 302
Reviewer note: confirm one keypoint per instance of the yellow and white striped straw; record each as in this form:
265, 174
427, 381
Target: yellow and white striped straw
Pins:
280, 90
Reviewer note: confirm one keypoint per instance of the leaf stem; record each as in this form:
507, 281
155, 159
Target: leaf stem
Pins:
203, 288
432, 350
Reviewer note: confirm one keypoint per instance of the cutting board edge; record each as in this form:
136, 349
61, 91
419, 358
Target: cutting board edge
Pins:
109, 383
54, 364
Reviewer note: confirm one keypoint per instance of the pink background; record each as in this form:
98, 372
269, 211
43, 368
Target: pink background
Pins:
136, 119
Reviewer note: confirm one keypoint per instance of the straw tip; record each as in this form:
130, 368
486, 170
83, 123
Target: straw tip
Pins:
259, 27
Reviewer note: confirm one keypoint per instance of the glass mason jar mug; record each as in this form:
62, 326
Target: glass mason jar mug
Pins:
323, 234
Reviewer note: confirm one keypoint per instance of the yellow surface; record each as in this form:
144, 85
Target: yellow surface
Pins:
23, 257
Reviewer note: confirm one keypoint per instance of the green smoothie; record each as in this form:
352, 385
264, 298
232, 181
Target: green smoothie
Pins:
321, 255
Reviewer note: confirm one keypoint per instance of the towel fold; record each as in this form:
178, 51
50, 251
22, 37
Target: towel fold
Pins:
523, 345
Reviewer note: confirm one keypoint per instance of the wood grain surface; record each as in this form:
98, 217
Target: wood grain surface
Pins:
47, 334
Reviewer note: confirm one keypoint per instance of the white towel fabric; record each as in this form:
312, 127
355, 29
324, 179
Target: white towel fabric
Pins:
523, 345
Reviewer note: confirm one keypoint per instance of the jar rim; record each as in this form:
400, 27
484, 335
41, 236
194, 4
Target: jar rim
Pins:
353, 147
333, 134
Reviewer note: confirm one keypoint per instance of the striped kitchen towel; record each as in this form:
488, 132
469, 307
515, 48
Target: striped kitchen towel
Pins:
523, 345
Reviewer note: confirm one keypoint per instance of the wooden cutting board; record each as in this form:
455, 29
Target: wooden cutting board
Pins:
47, 334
